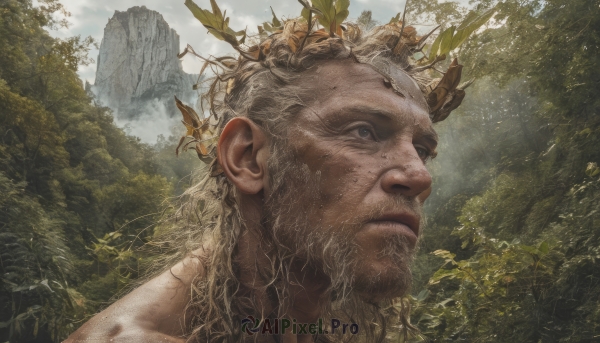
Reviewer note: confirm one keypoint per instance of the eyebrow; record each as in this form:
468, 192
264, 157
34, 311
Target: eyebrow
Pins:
370, 111
429, 134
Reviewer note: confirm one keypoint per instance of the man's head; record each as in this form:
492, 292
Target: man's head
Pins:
343, 184
322, 145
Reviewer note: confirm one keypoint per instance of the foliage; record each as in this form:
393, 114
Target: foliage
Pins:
330, 13
271, 27
453, 37
78, 195
512, 249
216, 22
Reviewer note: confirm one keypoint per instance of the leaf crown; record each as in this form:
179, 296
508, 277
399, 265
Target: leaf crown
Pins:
322, 32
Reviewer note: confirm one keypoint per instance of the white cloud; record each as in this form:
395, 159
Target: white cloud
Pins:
153, 122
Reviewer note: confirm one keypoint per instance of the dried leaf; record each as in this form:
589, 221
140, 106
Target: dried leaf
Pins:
201, 150
446, 96
216, 23
190, 117
452, 102
447, 84
230, 85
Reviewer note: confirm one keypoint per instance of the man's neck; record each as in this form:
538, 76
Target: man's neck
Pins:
306, 287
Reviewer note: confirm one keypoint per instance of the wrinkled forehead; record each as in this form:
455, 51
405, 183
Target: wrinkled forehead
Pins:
406, 84
348, 73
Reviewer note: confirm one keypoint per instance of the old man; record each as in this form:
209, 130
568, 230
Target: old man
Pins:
304, 227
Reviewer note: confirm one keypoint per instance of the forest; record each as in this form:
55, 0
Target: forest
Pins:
511, 251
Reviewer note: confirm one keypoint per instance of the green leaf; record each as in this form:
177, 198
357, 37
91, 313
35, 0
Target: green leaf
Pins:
433, 52
544, 248
395, 19
341, 9
276, 22
453, 37
216, 9
468, 19
326, 12
423, 295
306, 14
341, 16
243, 39
215, 22
530, 249
444, 254
443, 273
470, 25
331, 13
446, 41
209, 20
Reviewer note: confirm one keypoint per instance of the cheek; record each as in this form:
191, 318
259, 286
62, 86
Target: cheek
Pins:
345, 175
344, 185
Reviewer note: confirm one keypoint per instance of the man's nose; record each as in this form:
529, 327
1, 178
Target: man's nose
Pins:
408, 175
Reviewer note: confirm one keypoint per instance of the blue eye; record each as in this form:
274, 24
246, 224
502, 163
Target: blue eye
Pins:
424, 154
365, 132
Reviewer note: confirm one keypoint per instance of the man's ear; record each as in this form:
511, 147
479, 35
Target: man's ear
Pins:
242, 152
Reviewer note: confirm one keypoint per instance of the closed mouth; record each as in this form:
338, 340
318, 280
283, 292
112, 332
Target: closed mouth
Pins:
399, 219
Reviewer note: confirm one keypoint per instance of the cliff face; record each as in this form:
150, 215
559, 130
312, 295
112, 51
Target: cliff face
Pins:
138, 64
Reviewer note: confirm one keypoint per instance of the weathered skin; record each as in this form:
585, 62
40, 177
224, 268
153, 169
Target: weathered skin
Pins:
370, 146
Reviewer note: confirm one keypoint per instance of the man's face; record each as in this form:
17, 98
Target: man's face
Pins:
350, 196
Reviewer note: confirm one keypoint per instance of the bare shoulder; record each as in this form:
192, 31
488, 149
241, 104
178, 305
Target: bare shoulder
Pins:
153, 312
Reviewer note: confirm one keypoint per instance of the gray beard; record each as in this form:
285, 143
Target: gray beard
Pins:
294, 199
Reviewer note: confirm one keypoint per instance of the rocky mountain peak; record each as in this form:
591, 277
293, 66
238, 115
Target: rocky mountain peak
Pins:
138, 64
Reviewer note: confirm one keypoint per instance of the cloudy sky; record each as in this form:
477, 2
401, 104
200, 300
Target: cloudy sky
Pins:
89, 17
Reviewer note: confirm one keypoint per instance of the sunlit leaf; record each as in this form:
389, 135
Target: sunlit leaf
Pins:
306, 14
470, 25
216, 22
331, 13
446, 41
423, 295
435, 46
453, 37
544, 248
276, 21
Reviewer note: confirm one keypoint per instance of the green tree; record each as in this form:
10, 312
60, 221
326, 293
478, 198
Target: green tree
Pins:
79, 196
519, 184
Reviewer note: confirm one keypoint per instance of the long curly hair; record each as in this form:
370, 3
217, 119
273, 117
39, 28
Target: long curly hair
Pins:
261, 85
